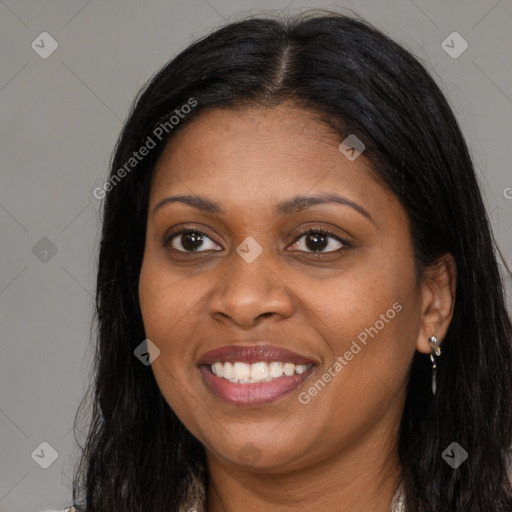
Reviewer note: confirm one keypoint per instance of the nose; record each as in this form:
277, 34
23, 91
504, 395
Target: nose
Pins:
250, 292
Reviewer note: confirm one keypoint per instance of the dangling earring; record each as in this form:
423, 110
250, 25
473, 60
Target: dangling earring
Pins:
433, 342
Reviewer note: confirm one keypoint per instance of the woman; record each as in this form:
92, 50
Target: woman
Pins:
298, 300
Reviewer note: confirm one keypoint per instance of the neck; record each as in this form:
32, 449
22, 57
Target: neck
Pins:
362, 476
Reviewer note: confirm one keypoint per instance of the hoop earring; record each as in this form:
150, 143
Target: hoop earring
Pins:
433, 342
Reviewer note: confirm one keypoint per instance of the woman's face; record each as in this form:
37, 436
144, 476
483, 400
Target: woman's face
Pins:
346, 304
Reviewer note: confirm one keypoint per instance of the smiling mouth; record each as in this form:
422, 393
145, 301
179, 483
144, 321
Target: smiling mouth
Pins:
250, 393
244, 373
253, 375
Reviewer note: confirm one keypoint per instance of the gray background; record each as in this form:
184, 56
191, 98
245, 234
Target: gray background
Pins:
60, 118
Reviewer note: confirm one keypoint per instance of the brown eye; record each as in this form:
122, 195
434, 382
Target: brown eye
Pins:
191, 241
316, 240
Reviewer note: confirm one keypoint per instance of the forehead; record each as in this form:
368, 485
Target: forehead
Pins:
260, 154
256, 133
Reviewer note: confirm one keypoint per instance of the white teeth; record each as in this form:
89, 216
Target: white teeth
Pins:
289, 369
276, 369
228, 371
259, 371
300, 368
218, 369
239, 372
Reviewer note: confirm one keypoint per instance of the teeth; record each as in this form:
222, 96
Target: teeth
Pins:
228, 371
289, 369
276, 369
239, 372
300, 368
218, 369
259, 371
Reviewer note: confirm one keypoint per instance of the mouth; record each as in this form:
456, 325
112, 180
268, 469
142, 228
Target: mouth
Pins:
254, 375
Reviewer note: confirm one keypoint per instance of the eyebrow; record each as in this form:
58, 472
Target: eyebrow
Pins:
293, 204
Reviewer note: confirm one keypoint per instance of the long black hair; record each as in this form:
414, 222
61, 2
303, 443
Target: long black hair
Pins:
137, 453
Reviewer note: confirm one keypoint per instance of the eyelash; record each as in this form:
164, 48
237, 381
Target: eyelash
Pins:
323, 231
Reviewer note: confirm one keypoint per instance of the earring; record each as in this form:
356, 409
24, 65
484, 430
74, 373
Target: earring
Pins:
433, 342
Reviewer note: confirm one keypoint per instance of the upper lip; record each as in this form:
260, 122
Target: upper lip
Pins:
252, 354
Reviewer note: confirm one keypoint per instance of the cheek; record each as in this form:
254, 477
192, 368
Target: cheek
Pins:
169, 305
168, 300
368, 319
361, 303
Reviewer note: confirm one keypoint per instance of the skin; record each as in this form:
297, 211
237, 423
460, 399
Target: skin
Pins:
287, 456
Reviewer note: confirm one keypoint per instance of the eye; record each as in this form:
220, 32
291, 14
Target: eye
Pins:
318, 239
191, 240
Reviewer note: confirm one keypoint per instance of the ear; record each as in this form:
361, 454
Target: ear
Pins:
437, 300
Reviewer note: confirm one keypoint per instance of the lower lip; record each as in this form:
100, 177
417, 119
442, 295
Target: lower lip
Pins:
256, 393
